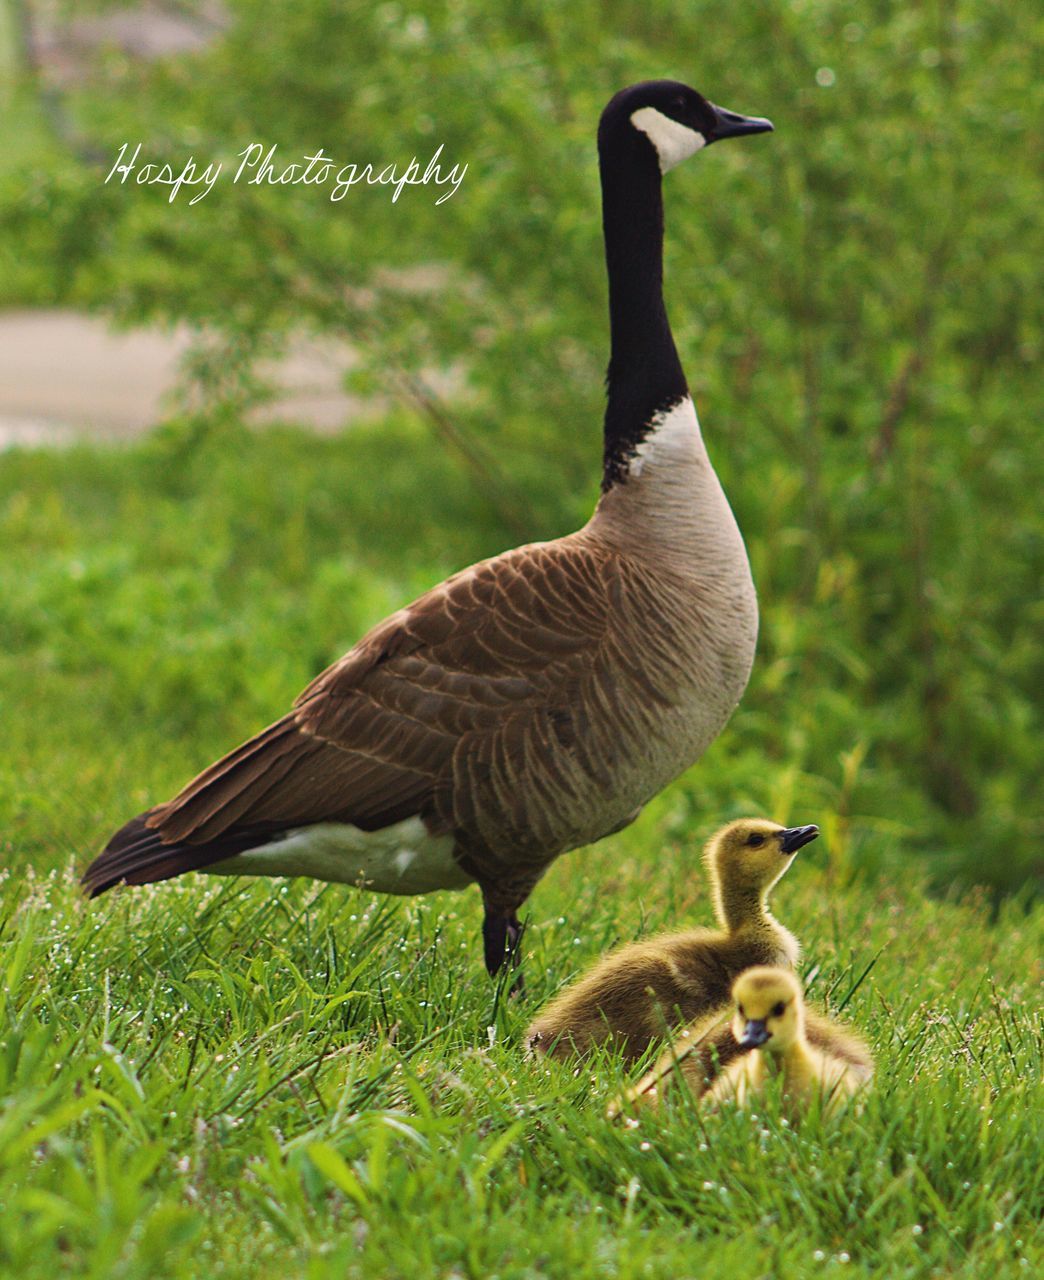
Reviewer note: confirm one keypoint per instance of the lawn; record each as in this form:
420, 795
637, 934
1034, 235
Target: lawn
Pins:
281, 1079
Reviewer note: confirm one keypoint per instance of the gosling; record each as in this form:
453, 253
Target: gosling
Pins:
699, 1053
637, 994
769, 1022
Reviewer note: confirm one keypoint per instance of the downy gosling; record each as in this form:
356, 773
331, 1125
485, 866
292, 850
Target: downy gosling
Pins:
637, 994
698, 1054
769, 1021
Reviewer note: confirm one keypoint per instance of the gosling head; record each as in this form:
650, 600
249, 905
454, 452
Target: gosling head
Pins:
672, 119
769, 1012
750, 855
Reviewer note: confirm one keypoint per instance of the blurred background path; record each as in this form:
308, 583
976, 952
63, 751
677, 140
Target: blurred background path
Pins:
64, 375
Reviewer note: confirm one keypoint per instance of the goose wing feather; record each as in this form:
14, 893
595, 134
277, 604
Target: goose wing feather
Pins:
448, 696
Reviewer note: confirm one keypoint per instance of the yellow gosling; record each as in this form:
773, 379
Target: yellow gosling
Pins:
637, 994
769, 1022
698, 1053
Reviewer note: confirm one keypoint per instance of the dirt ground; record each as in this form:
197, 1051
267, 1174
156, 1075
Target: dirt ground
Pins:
64, 375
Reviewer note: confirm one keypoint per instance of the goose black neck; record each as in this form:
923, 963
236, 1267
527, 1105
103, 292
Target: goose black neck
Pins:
645, 375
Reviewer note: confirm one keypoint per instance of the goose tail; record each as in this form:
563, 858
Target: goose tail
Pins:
137, 854
208, 821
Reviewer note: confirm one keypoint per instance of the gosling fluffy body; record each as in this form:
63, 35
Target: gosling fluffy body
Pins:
770, 1023
698, 1054
637, 994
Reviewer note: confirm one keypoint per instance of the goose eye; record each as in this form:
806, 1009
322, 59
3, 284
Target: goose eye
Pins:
755, 840
777, 1010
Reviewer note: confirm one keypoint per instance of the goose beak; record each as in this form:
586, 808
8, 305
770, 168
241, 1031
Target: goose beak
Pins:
729, 124
791, 839
755, 1033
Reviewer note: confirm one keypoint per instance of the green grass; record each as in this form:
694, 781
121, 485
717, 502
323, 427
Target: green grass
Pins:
255, 1079
227, 1078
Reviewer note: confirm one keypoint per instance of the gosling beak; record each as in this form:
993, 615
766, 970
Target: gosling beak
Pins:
791, 839
729, 124
755, 1033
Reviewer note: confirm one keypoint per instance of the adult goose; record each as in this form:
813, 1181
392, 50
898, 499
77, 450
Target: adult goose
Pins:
534, 702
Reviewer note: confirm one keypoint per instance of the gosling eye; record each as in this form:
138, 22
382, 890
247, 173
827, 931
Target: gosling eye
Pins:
755, 840
777, 1010
739, 1010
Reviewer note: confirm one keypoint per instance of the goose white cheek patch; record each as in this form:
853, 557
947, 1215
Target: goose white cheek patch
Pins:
673, 141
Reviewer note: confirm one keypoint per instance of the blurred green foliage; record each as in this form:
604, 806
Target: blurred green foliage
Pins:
853, 299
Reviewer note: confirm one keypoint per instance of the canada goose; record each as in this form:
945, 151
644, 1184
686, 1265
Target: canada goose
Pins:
769, 1022
636, 994
532, 703
698, 1054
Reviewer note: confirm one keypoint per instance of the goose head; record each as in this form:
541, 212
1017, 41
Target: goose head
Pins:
768, 1009
673, 120
750, 855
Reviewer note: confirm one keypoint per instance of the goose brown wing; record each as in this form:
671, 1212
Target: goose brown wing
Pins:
372, 740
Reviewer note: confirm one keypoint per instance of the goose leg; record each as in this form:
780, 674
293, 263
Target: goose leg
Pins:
515, 930
501, 935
